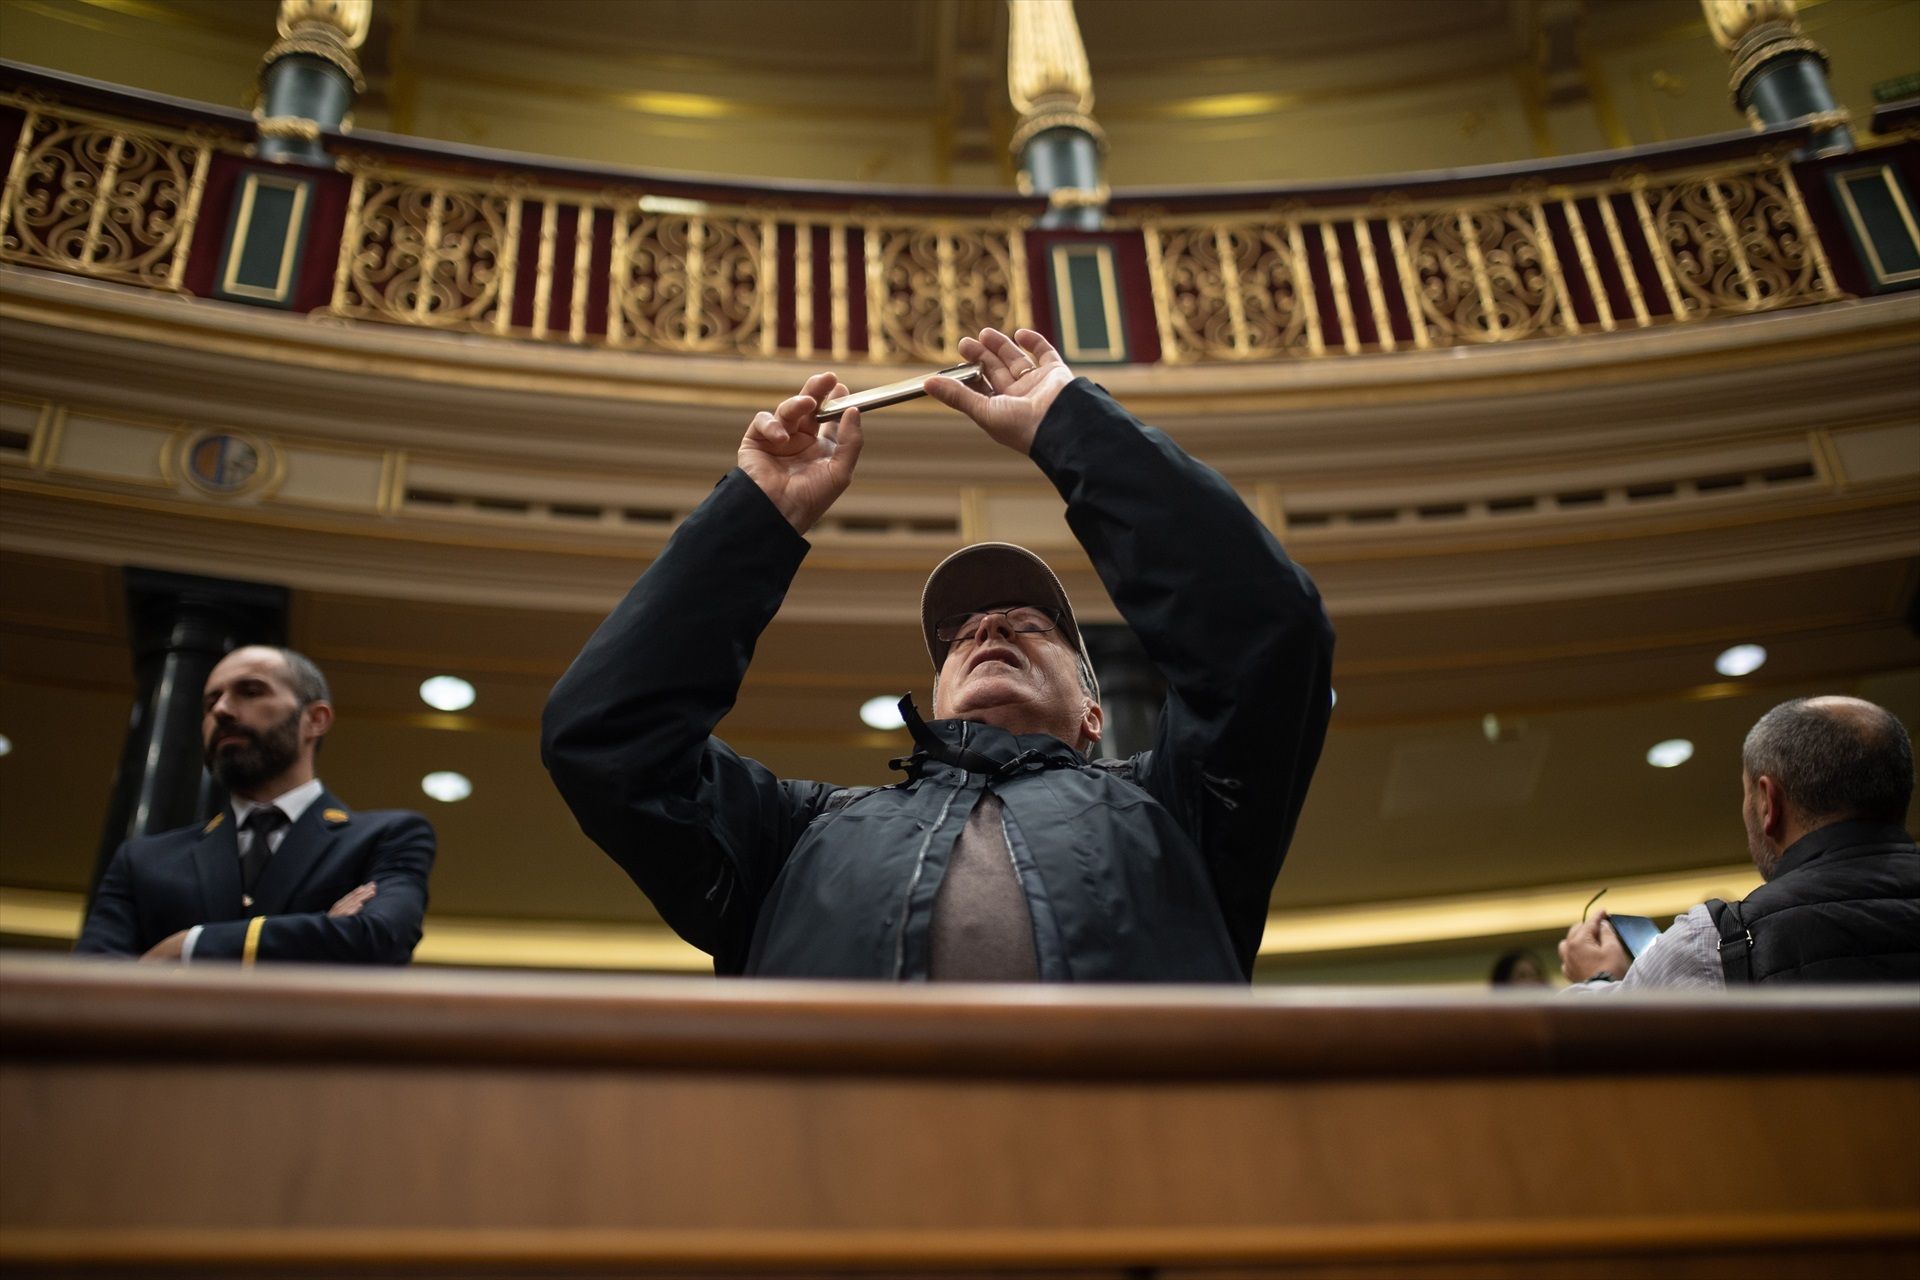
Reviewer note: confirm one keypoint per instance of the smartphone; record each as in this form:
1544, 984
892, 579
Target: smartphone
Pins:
1636, 933
895, 392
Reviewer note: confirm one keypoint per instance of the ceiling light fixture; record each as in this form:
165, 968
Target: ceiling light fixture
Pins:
882, 713
1741, 660
1670, 754
6, 745
446, 693
447, 786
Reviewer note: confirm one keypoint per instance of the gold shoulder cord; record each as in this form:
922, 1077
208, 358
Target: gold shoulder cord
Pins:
250, 952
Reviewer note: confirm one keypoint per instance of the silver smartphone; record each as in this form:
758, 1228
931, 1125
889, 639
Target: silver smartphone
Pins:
895, 392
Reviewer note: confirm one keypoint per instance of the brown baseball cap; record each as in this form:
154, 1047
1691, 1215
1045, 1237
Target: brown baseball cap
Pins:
987, 575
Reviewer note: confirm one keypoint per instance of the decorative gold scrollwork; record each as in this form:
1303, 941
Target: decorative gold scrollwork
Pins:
1728, 240
1733, 242
929, 284
689, 282
440, 256
1482, 276
111, 202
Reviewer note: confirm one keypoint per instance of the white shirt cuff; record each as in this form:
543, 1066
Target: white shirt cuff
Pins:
186, 948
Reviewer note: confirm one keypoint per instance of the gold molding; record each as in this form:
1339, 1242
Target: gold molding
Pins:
243, 227
1102, 255
47, 433
1886, 175
393, 483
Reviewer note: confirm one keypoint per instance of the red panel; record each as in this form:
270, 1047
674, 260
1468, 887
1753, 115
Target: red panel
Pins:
331, 193
1131, 275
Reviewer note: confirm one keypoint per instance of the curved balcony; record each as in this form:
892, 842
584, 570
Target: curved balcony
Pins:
1548, 436
164, 194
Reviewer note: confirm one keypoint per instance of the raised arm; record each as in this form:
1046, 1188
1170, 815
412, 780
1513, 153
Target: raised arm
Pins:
627, 733
1235, 626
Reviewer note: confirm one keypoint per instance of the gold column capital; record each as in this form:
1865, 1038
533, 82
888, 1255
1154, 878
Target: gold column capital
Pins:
327, 29
349, 18
1731, 21
1754, 33
1048, 77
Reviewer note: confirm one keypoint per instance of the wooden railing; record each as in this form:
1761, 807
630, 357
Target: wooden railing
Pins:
115, 185
262, 1123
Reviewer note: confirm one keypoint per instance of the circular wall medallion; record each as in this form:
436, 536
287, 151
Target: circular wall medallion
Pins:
226, 464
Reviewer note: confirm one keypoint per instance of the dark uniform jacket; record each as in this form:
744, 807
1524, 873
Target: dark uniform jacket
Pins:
1842, 906
158, 885
1153, 869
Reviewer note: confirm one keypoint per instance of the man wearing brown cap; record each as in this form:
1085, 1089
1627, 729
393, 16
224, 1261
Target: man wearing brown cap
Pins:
1006, 853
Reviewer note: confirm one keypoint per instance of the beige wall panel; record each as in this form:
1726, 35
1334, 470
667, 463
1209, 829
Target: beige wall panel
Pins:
1576, 127
1878, 454
120, 450
1033, 520
208, 52
1867, 41
1668, 91
329, 479
869, 147
1676, 86
1472, 122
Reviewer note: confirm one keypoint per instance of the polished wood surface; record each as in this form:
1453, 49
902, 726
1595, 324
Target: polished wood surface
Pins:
275, 1122
82, 1009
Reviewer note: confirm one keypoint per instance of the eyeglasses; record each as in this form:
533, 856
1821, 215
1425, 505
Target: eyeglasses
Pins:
1025, 620
1590, 901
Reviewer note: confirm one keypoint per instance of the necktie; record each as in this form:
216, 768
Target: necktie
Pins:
260, 825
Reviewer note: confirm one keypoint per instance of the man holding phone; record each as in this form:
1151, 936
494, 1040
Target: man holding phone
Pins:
1006, 853
1825, 785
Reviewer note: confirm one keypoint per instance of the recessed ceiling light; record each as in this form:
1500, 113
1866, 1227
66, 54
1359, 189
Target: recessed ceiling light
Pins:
1741, 660
1668, 754
6, 744
882, 712
446, 693
447, 786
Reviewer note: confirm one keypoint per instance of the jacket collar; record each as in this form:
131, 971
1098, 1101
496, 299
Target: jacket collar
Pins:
306, 845
216, 857
979, 748
1838, 837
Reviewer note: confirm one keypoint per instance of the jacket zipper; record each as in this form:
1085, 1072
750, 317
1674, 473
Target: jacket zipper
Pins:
920, 866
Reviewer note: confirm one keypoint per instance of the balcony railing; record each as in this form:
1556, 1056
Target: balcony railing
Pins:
141, 191
641, 270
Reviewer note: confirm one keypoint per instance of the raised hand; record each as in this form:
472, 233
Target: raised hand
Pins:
800, 463
1023, 373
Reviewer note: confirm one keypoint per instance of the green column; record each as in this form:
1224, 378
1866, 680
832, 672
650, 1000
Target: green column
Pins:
1057, 144
311, 76
1779, 75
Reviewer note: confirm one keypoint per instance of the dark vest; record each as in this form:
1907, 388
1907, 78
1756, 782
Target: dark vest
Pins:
1842, 906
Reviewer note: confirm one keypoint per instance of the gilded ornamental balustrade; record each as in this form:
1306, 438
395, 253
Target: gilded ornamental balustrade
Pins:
100, 196
1637, 250
429, 236
647, 272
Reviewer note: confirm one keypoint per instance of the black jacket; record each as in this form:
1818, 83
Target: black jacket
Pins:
1842, 906
157, 885
1153, 869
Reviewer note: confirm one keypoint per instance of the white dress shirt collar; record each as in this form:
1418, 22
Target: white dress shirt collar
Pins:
292, 803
